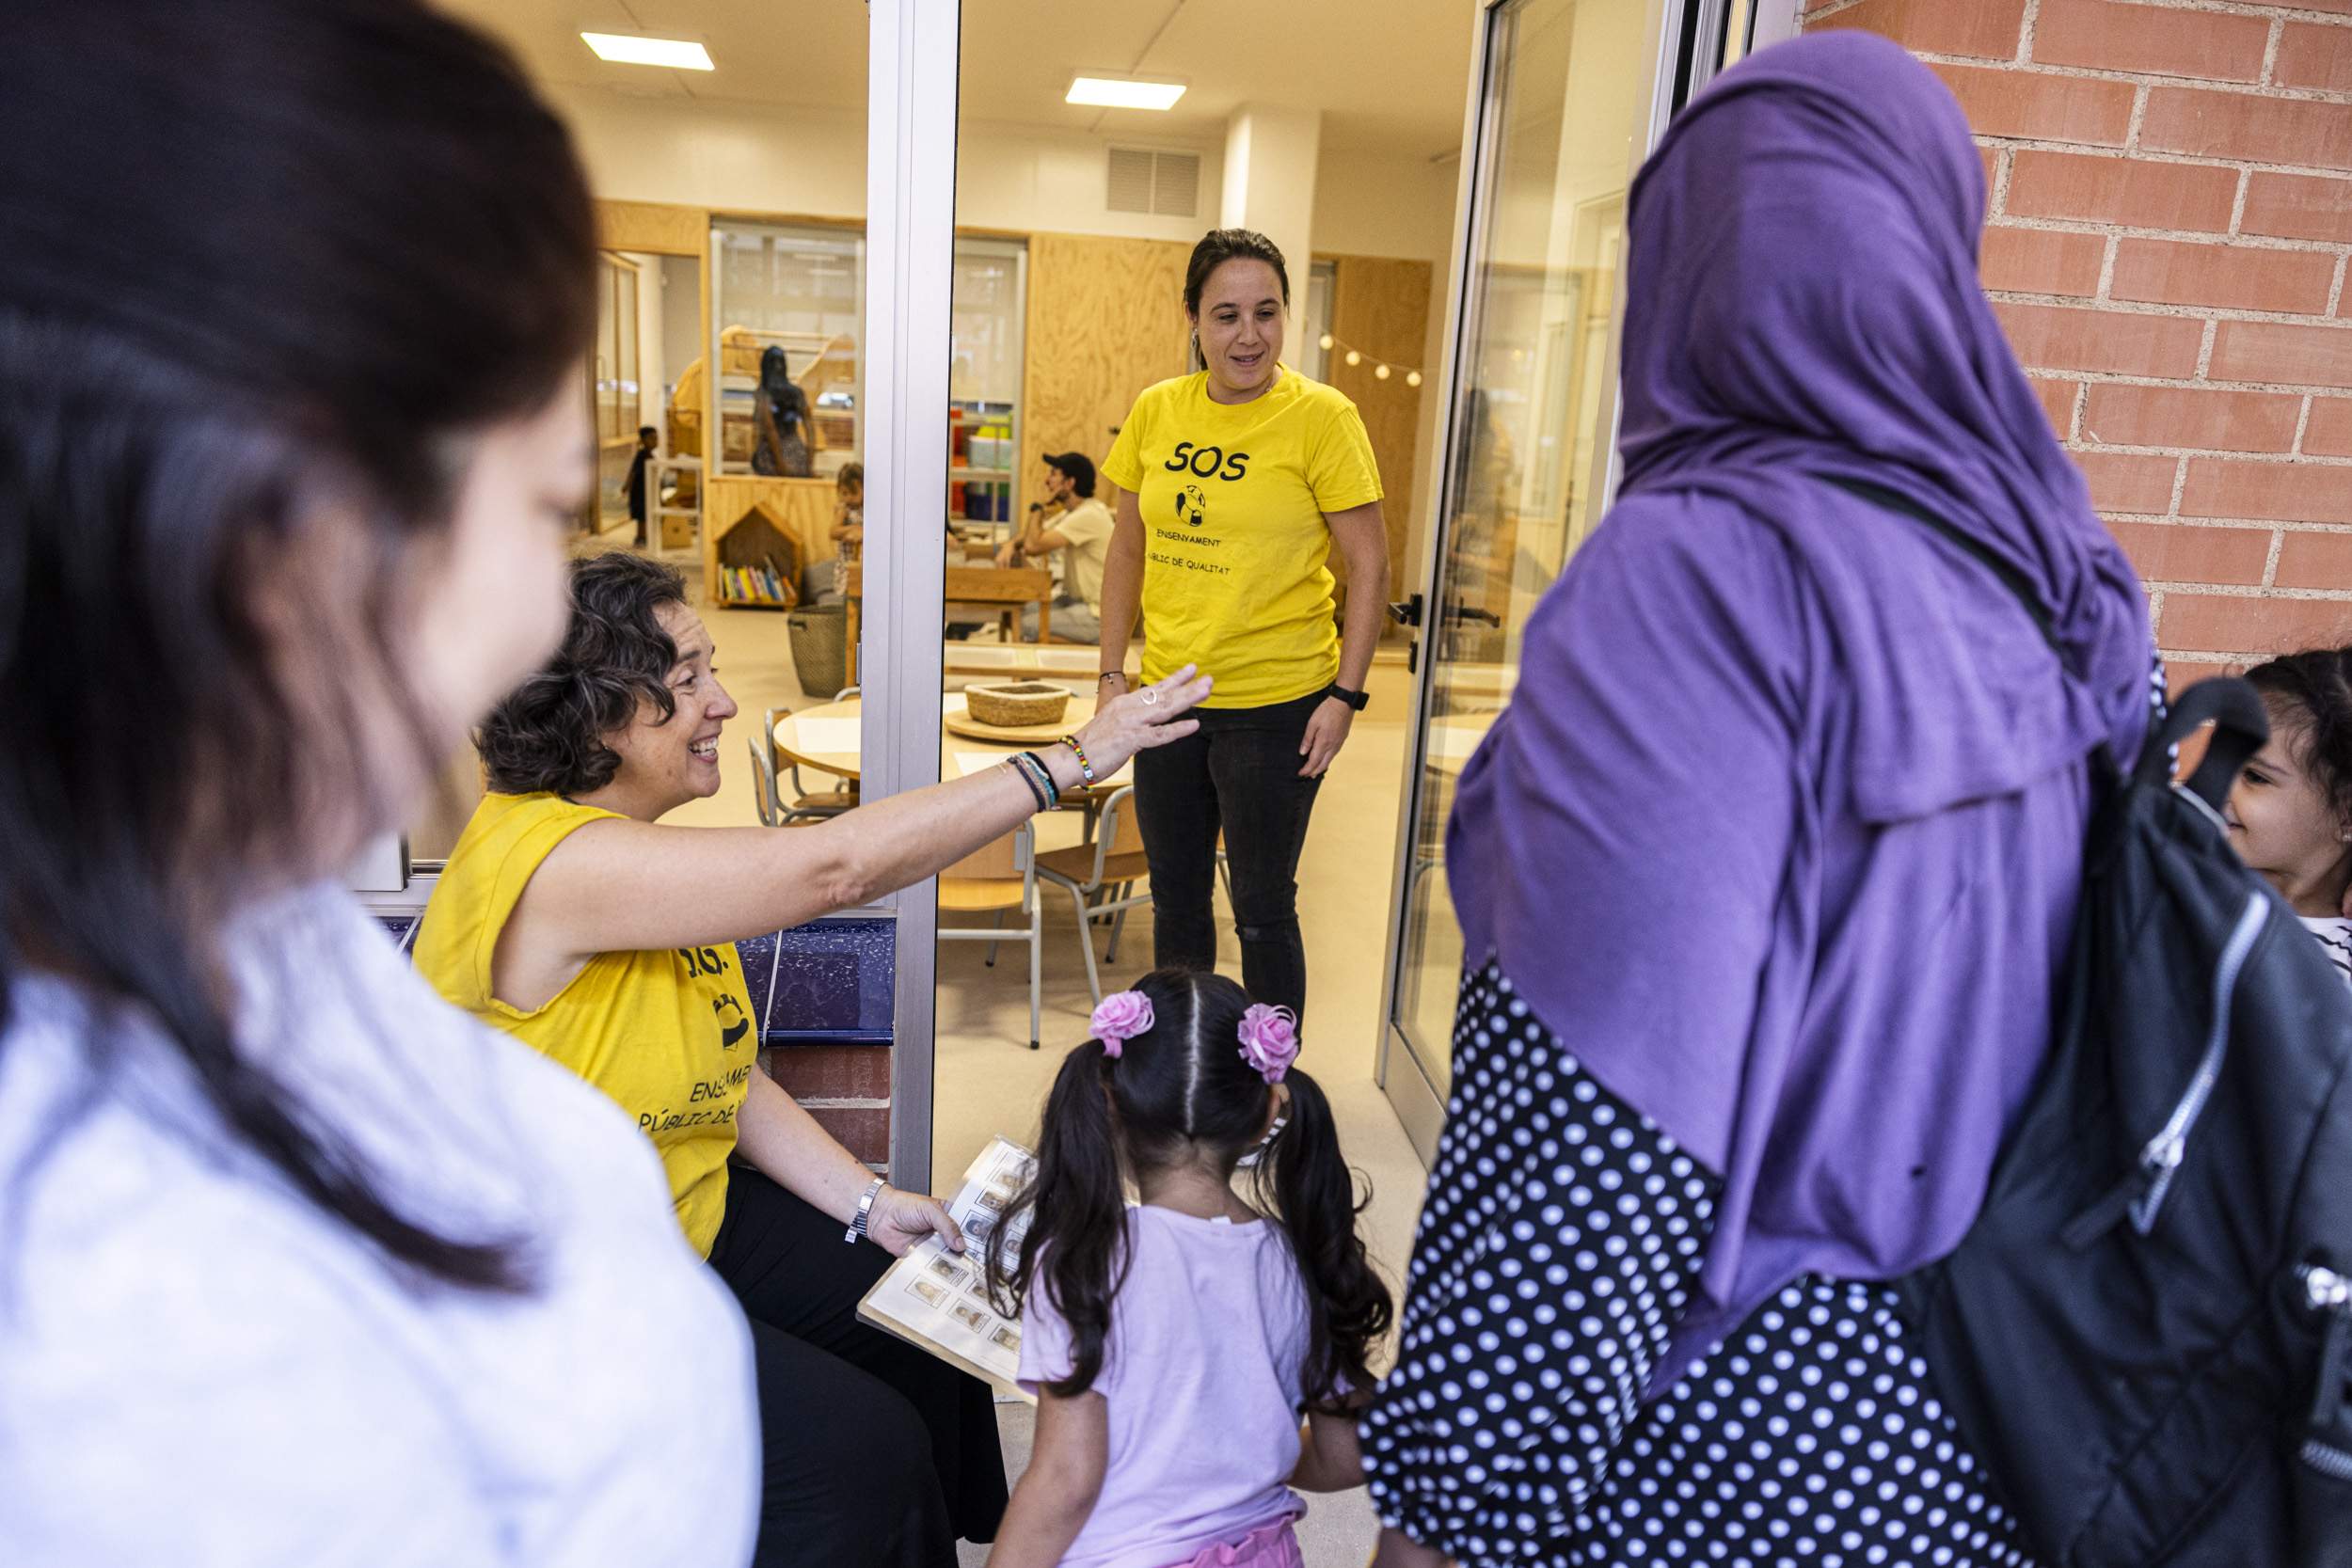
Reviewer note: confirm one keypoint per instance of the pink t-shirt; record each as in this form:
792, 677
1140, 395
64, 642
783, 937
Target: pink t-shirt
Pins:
1201, 1375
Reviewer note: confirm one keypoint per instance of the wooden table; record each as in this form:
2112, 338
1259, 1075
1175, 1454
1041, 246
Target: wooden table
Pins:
1006, 587
824, 737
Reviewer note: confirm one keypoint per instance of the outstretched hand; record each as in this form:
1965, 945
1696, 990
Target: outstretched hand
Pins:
901, 1219
1137, 721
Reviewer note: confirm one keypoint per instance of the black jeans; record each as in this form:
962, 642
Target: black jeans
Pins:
1238, 772
873, 1454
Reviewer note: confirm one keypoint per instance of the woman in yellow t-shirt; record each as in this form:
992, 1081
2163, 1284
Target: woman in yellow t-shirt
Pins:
569, 917
1236, 483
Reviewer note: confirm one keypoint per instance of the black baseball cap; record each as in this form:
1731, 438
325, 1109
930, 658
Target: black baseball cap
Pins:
1077, 464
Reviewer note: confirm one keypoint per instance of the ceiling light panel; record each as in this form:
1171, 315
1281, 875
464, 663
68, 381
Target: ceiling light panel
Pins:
1123, 92
623, 49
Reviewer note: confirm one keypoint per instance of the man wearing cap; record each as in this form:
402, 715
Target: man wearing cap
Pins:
1083, 527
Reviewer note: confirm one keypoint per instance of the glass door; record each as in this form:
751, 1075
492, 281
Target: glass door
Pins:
1573, 91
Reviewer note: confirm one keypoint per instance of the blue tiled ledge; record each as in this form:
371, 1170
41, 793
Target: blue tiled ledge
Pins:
834, 980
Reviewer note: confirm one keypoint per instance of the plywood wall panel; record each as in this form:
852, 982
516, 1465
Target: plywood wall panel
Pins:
1380, 306
653, 225
1105, 321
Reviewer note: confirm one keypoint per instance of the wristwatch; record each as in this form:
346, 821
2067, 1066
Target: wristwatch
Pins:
864, 1211
1353, 699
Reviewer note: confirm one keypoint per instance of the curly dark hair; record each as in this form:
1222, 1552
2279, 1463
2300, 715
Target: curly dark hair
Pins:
2310, 696
548, 733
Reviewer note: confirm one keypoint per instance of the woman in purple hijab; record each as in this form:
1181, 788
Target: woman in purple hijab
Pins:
1765, 876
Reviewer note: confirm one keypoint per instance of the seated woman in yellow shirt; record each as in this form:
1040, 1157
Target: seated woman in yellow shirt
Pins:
569, 917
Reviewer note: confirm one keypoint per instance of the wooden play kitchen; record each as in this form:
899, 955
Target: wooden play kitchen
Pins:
1004, 589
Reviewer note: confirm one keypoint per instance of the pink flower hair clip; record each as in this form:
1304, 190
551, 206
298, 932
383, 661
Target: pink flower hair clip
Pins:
1269, 1040
1119, 1018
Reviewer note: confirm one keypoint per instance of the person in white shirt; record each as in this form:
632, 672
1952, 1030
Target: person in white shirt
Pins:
2291, 815
1082, 528
300, 1267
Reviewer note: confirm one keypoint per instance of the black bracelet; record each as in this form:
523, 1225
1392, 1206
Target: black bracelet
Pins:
1043, 778
1022, 774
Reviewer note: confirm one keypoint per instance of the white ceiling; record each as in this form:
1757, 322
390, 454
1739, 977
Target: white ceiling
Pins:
1389, 75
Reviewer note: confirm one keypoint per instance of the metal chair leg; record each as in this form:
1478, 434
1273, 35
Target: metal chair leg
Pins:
992, 946
1085, 941
1036, 963
1119, 926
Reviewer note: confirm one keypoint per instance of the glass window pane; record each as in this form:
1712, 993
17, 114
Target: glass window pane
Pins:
1534, 418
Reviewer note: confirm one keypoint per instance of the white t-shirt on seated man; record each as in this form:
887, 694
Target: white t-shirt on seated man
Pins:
1083, 528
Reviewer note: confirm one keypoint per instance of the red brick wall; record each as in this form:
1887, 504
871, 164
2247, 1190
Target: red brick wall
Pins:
2171, 216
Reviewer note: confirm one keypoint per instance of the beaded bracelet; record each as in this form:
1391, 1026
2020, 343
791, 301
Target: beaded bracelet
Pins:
1085, 768
1022, 774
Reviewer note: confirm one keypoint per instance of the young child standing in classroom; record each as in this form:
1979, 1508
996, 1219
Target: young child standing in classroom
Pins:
1176, 1344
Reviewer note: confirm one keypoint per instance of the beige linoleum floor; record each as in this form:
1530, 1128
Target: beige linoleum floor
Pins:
988, 1081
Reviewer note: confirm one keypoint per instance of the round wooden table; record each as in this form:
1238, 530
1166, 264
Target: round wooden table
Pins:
825, 737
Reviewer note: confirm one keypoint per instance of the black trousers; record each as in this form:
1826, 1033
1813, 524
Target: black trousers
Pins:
1238, 773
874, 1456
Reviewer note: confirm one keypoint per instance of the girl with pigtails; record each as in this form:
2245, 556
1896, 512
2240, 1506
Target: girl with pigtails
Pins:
1176, 1342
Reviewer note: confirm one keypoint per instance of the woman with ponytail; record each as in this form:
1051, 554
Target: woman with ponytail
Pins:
1174, 1344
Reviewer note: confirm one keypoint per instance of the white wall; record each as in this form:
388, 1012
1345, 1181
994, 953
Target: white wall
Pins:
1377, 204
812, 162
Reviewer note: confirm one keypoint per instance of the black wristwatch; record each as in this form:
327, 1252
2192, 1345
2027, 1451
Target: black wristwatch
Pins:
1353, 699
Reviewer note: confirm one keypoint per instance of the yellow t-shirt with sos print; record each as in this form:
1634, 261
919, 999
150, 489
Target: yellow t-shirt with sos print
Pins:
1236, 575
667, 1034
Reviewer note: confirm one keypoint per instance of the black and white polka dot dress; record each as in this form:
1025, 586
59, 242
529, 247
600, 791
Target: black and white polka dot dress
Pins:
1561, 1241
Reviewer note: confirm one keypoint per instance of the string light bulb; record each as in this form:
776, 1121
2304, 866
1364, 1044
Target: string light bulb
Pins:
1354, 358
1380, 372
1325, 342
1412, 378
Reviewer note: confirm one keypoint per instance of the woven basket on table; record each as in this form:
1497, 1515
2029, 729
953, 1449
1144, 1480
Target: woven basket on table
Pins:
1016, 704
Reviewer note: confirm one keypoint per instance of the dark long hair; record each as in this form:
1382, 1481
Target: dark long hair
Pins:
269, 262
548, 733
2311, 692
1184, 1081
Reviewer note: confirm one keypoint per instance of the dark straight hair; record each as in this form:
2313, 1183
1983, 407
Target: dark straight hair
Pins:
269, 261
1182, 1083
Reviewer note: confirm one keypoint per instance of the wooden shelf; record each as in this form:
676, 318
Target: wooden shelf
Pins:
981, 475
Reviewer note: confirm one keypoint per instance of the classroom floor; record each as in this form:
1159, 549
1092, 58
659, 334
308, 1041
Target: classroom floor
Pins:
988, 1082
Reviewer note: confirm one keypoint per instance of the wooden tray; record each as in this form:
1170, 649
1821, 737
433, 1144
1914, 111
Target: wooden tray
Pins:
959, 722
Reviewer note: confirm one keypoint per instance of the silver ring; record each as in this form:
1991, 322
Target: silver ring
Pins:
1150, 695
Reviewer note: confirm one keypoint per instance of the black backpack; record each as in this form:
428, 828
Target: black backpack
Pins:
2147, 1333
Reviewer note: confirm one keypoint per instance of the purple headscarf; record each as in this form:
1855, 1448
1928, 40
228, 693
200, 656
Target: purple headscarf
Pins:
1782, 829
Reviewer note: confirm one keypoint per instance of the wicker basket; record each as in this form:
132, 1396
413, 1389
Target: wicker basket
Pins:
1016, 704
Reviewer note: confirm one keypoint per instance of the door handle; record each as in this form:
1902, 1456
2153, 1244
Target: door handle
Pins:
1408, 613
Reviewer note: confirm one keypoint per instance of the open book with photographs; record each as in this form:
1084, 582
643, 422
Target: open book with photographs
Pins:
937, 1300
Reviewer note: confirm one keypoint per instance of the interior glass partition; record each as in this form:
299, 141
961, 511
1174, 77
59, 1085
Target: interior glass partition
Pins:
1566, 102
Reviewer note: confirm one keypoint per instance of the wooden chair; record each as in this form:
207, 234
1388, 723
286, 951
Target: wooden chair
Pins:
997, 879
807, 805
1100, 876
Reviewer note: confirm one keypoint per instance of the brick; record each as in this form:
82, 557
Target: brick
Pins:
831, 1071
2057, 402
2116, 342
2127, 482
1991, 157
2242, 125
2138, 193
2342, 7
2240, 277
2314, 55
2329, 431
2039, 107
2183, 552
2277, 492
863, 1130
1982, 29
2316, 560
2214, 623
2202, 419
2145, 38
2282, 353
2041, 260
2298, 207
2182, 674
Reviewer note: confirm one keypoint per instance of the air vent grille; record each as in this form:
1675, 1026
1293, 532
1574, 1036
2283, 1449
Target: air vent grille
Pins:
1148, 180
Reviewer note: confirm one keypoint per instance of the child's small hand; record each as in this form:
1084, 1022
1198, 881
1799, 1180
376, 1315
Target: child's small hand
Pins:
901, 1219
